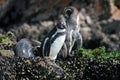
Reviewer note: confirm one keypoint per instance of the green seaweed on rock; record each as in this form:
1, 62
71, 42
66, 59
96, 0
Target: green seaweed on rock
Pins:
7, 40
99, 52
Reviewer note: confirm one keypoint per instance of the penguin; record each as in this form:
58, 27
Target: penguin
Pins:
73, 39
23, 48
53, 42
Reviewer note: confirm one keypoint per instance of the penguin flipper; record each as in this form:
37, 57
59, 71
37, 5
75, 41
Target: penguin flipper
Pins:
63, 51
78, 43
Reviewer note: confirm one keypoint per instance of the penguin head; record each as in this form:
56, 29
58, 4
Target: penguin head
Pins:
71, 15
61, 25
70, 12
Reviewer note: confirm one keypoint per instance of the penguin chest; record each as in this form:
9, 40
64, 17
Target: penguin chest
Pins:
56, 46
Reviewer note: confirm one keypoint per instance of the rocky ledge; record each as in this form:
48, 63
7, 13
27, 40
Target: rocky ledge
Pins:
75, 68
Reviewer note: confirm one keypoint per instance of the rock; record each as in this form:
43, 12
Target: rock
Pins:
114, 37
27, 68
7, 41
117, 3
115, 11
23, 48
75, 68
86, 33
7, 53
12, 11
37, 17
54, 68
27, 48
4, 7
34, 31
47, 23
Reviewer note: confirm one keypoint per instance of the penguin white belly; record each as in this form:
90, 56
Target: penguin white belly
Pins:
56, 46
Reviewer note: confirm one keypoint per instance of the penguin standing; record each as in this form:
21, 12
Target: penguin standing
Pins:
73, 37
53, 42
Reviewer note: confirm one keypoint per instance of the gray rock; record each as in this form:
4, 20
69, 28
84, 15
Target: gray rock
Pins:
24, 49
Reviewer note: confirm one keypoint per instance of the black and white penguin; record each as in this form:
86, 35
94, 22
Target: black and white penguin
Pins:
53, 42
73, 37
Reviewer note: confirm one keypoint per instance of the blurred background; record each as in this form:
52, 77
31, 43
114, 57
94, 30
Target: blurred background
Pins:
33, 19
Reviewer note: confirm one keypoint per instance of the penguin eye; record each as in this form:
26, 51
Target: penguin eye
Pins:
63, 26
68, 13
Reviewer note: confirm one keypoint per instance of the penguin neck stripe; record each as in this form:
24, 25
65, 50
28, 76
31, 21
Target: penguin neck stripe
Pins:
60, 30
44, 44
56, 36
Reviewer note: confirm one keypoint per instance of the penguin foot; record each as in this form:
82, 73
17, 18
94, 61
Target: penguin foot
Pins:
72, 54
42, 63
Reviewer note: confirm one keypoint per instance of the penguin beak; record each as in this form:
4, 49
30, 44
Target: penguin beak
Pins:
66, 16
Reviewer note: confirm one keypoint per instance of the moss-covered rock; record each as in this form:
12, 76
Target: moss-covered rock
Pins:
7, 41
78, 67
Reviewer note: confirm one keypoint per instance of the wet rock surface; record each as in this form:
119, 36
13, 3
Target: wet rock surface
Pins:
74, 68
23, 68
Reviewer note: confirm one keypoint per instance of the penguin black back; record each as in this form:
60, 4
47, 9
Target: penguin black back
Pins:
45, 46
